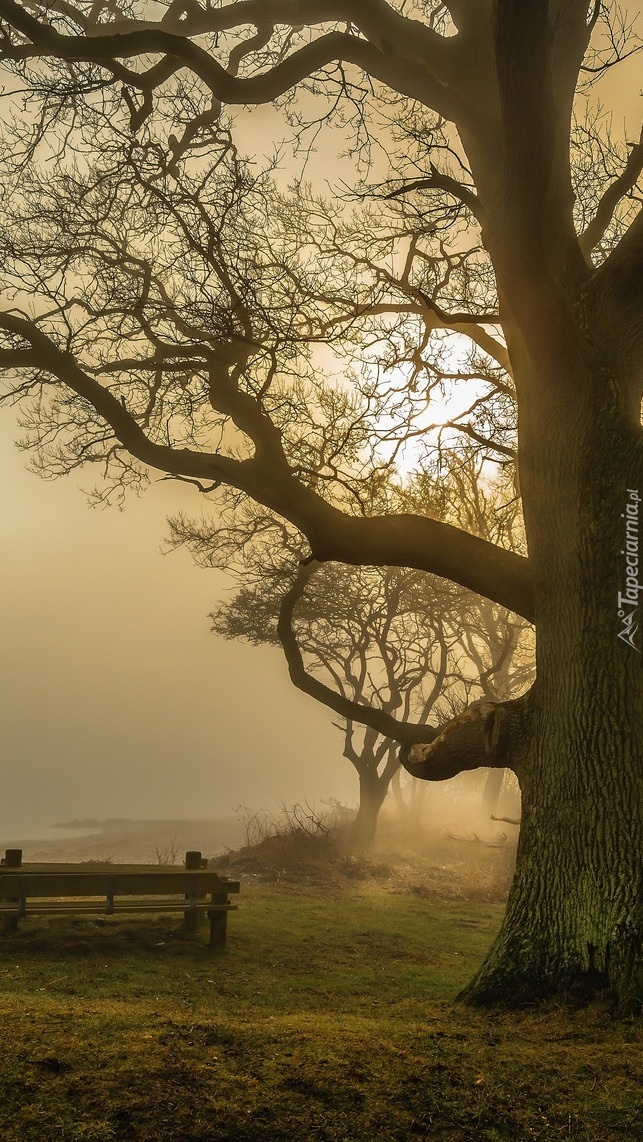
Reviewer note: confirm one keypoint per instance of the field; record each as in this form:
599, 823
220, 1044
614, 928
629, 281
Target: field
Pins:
330, 1016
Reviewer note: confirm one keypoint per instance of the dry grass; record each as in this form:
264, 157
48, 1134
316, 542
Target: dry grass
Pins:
434, 865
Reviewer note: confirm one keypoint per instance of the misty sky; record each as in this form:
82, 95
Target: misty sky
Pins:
116, 699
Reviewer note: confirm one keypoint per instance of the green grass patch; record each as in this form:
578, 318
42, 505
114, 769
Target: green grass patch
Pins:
328, 1017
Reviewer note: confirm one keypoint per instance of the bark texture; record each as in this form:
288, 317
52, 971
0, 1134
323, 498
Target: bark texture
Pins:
487, 733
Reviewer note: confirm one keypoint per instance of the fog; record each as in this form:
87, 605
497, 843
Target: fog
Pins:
116, 698
117, 701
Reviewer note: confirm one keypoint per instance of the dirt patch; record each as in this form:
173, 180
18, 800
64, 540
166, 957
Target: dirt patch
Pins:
298, 858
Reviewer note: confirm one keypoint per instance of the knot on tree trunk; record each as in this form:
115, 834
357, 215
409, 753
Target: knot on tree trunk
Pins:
486, 734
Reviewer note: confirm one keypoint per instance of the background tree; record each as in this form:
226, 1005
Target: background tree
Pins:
403, 642
376, 637
158, 318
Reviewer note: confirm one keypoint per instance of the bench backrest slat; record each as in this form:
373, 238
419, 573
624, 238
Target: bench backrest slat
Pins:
32, 884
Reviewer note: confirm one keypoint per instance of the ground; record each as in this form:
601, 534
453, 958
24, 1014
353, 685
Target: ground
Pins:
330, 1016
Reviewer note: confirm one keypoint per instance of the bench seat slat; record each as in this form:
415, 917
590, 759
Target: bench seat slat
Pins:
43, 907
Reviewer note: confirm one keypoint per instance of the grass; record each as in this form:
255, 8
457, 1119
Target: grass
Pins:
329, 1017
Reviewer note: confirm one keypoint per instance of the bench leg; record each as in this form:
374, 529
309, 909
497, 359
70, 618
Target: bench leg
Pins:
12, 859
191, 921
218, 929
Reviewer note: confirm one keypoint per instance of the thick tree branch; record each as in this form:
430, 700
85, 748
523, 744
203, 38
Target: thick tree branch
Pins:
493, 734
486, 734
46, 356
385, 28
407, 73
399, 540
193, 20
429, 545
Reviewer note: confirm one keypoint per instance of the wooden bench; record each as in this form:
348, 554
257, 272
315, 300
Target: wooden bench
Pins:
55, 889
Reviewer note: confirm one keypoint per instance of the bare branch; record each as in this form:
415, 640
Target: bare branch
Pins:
614, 193
380, 721
45, 355
440, 181
397, 540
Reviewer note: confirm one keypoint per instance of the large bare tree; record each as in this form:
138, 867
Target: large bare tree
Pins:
156, 322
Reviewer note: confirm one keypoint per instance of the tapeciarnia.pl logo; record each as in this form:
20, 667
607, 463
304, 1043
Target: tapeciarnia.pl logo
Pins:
628, 600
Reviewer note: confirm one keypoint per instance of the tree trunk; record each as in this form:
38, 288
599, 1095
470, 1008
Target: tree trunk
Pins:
491, 792
372, 794
574, 918
409, 803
